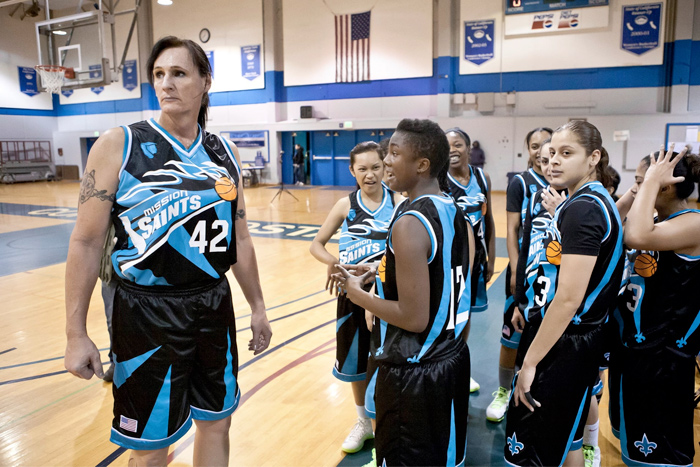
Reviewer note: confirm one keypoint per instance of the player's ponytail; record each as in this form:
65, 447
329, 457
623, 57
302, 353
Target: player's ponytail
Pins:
689, 168
602, 173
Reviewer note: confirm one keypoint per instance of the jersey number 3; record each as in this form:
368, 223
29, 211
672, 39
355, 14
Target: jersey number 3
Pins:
217, 244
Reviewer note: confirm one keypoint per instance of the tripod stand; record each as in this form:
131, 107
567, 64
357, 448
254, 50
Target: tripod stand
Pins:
281, 189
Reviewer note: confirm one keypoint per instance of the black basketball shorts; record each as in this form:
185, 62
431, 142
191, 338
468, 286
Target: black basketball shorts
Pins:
563, 383
352, 341
422, 411
175, 359
652, 401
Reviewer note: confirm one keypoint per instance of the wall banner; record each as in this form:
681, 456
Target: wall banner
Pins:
250, 61
96, 72
27, 81
130, 77
641, 25
478, 41
246, 139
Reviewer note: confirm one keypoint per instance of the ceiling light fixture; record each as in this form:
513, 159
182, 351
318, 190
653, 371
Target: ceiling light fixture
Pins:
165, 2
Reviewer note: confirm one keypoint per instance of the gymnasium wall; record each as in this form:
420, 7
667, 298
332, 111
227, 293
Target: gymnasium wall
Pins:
637, 96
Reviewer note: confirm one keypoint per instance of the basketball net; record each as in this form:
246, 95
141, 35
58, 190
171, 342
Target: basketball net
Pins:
52, 77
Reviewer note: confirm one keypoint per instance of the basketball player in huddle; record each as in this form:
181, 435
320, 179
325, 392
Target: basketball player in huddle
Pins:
423, 299
470, 187
363, 218
173, 192
658, 315
560, 350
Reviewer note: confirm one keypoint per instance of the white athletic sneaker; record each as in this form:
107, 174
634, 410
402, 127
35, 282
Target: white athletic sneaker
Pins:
473, 385
496, 410
591, 456
361, 432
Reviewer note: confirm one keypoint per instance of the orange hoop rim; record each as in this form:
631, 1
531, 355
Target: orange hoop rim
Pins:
51, 68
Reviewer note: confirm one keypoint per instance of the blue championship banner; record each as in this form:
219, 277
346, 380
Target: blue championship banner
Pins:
641, 27
96, 72
250, 61
514, 7
478, 41
210, 57
67, 92
246, 139
130, 76
27, 81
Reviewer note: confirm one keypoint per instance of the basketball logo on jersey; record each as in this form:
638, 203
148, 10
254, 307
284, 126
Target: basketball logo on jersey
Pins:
382, 269
553, 252
149, 149
226, 189
533, 188
646, 263
351, 215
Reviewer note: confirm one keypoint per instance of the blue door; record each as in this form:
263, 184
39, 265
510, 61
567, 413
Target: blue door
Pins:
287, 152
322, 158
342, 145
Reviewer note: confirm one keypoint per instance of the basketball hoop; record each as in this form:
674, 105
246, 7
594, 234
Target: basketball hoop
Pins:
52, 77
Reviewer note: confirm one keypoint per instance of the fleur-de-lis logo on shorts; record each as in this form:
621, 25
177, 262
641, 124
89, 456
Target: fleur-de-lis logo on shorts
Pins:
645, 446
514, 445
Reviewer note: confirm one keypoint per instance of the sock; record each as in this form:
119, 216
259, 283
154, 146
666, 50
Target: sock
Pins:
362, 414
505, 377
590, 434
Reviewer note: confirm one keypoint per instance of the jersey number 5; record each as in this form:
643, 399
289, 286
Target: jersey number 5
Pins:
217, 244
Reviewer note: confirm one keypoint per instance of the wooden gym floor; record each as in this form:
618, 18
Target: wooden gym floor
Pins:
293, 411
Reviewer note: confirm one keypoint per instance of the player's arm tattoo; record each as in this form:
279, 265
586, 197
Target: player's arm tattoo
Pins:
240, 214
88, 190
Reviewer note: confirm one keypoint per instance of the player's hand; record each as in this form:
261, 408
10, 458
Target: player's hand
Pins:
351, 284
551, 198
489, 272
331, 284
262, 332
661, 169
360, 269
82, 358
521, 393
518, 320
369, 318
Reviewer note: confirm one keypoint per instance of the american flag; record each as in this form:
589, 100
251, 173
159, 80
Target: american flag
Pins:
128, 424
352, 47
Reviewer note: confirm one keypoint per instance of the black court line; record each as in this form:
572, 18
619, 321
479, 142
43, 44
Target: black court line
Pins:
295, 313
119, 451
30, 378
38, 361
8, 350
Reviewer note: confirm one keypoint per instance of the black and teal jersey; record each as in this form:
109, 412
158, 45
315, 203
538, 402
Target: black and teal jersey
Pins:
472, 200
449, 287
175, 208
363, 233
539, 274
588, 223
659, 302
520, 190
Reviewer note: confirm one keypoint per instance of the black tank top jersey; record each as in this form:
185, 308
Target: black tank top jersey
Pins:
363, 233
520, 190
175, 208
449, 288
588, 224
472, 200
536, 276
659, 301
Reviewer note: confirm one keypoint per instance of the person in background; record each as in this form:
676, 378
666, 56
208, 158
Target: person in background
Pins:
614, 183
298, 163
477, 158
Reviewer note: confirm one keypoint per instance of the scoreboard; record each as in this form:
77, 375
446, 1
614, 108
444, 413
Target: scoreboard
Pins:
533, 6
